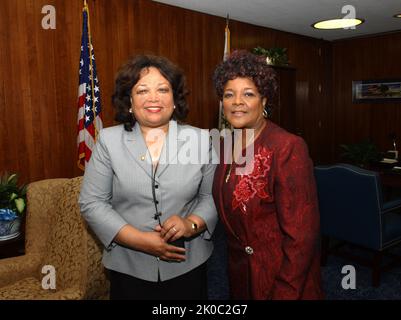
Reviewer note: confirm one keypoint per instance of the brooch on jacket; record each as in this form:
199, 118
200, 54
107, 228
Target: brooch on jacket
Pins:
255, 183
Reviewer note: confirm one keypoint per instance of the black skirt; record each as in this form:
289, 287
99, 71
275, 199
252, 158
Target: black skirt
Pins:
189, 286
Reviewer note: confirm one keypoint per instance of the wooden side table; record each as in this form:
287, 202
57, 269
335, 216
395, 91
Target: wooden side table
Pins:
13, 247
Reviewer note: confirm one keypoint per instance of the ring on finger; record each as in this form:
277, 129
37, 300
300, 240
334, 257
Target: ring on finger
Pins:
174, 229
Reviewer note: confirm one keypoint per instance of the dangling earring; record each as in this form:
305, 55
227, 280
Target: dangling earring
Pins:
264, 113
130, 109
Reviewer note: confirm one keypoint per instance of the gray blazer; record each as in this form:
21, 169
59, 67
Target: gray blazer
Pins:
117, 190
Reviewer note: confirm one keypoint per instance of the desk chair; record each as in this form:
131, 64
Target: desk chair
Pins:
352, 210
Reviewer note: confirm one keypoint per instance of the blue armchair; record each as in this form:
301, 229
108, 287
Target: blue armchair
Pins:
352, 209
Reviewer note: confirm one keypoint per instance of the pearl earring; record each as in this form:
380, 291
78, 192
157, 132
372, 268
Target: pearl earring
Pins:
130, 110
174, 106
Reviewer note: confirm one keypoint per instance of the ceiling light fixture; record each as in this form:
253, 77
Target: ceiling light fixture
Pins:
337, 24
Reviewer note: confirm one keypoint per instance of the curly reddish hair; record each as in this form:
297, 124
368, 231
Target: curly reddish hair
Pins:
244, 64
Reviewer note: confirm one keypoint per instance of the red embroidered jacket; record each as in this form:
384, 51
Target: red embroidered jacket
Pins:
272, 221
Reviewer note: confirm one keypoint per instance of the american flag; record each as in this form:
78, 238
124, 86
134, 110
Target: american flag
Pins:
89, 108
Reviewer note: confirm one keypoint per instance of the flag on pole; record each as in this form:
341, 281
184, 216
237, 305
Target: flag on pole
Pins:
89, 107
227, 46
223, 123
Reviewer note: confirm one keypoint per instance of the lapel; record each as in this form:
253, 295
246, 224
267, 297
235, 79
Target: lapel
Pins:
221, 181
135, 143
171, 147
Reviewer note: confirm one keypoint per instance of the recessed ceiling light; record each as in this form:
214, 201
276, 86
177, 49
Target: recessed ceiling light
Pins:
337, 23
398, 15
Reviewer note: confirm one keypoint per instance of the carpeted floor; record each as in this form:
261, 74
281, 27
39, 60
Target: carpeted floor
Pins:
389, 289
390, 284
217, 267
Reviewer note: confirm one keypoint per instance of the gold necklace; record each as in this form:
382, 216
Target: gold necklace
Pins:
228, 175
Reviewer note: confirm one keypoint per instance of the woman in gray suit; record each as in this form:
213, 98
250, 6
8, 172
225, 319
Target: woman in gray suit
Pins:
141, 193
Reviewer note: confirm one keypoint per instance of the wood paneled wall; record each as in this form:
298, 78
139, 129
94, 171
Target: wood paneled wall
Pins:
39, 73
376, 57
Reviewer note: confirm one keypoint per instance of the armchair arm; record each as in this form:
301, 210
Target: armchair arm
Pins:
391, 206
16, 268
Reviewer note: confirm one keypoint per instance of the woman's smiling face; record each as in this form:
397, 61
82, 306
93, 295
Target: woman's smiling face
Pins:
243, 105
152, 99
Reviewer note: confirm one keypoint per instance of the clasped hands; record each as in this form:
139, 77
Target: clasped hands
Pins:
173, 228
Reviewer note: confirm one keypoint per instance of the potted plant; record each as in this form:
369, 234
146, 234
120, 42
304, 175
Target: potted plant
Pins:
12, 206
274, 56
361, 154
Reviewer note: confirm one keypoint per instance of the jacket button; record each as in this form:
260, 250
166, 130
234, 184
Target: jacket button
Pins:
248, 250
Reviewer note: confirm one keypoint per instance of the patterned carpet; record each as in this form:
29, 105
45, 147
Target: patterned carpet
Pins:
389, 289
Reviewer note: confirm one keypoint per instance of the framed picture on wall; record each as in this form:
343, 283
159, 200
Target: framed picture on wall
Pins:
376, 91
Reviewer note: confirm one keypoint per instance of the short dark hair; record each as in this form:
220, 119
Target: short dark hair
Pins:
129, 74
244, 64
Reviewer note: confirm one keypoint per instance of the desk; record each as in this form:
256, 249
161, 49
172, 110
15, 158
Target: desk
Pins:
390, 179
388, 176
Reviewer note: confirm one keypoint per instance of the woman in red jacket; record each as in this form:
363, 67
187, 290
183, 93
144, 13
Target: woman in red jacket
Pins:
270, 213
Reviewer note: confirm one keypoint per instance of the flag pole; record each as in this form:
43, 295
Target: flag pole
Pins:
89, 106
227, 44
86, 8
226, 53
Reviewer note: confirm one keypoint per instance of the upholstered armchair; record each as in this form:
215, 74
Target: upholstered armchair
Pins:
352, 210
56, 235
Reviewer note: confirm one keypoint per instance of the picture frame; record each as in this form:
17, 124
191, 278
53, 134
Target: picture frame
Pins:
368, 91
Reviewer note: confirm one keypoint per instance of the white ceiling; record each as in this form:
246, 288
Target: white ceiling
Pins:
297, 16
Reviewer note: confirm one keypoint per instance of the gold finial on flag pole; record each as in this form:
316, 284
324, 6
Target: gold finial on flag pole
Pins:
227, 19
85, 4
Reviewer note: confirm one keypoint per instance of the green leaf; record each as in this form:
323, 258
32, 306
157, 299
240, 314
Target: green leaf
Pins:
277, 56
12, 179
20, 204
11, 195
